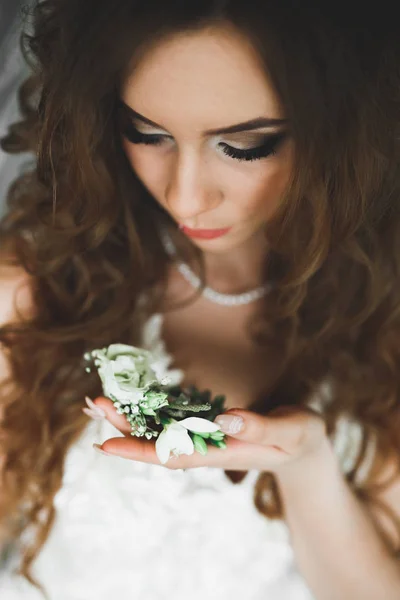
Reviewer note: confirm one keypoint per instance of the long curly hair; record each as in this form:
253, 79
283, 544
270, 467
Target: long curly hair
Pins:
85, 229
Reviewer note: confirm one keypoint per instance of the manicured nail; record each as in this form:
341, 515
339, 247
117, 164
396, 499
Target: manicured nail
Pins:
93, 414
93, 407
230, 423
98, 448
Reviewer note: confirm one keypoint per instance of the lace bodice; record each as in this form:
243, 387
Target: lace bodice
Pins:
128, 530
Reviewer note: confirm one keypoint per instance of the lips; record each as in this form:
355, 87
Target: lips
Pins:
204, 234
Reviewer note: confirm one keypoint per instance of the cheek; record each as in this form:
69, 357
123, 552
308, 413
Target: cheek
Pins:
142, 164
268, 188
135, 157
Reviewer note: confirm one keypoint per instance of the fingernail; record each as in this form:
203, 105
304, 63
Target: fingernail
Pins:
98, 448
99, 411
230, 423
93, 414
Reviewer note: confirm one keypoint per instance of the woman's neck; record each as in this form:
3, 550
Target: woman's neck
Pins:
238, 270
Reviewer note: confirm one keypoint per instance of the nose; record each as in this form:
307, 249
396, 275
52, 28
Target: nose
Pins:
188, 195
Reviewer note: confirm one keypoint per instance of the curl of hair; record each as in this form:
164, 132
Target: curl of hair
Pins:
86, 231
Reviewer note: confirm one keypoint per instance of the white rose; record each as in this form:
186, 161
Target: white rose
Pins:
125, 372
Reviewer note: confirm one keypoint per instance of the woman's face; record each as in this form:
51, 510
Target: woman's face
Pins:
179, 91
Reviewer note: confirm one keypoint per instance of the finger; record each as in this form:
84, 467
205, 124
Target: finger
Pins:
119, 421
140, 449
285, 428
133, 448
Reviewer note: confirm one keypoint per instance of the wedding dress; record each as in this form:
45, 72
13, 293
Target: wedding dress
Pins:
128, 530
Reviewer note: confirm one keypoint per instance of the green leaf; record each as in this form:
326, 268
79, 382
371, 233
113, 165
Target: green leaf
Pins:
218, 443
219, 400
148, 411
199, 444
217, 435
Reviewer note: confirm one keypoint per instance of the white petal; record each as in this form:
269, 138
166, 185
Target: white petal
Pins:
175, 428
115, 350
174, 438
175, 376
162, 447
136, 395
181, 442
111, 387
186, 445
198, 424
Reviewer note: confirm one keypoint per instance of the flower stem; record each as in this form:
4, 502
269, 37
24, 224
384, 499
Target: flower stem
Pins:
188, 407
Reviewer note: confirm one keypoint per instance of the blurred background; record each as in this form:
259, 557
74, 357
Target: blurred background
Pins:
12, 72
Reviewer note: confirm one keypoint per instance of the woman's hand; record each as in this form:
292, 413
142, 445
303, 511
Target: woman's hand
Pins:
286, 437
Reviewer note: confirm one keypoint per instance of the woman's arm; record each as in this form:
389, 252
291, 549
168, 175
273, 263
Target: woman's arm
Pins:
338, 548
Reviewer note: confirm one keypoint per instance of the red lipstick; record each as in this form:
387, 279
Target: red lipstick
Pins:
204, 234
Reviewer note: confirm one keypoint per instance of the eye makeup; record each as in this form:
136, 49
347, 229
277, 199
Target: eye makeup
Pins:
270, 142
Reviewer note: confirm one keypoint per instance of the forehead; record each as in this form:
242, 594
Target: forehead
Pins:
201, 80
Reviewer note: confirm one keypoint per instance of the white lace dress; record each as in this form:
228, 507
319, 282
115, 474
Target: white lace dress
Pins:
127, 530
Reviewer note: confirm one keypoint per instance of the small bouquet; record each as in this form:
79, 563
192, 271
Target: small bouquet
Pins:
154, 408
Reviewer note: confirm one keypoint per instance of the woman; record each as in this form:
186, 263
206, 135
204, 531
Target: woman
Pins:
257, 143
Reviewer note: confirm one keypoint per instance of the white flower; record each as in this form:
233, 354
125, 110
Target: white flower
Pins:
175, 437
125, 372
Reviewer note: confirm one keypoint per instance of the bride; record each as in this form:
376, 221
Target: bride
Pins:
218, 182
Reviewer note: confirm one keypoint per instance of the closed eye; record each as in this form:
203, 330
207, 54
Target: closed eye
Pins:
270, 145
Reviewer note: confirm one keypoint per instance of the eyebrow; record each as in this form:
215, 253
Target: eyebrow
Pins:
256, 123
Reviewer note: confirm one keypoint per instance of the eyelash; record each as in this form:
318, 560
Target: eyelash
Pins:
269, 148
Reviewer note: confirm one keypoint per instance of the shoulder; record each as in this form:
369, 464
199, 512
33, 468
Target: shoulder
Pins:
16, 292
16, 298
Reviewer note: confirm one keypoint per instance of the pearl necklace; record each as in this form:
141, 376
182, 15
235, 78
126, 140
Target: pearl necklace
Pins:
210, 294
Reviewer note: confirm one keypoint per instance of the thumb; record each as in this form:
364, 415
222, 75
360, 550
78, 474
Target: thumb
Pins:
285, 427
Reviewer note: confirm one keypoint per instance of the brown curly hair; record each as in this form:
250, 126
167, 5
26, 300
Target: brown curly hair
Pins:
85, 230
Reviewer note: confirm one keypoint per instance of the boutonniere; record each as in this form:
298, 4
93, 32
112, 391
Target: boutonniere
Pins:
153, 408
